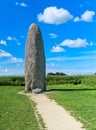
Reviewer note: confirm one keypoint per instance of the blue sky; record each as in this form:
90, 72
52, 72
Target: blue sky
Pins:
68, 29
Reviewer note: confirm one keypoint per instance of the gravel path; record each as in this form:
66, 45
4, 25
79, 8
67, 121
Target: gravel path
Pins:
54, 116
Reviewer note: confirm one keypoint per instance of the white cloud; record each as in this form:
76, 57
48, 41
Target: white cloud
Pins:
77, 58
6, 70
74, 43
57, 49
17, 3
18, 64
53, 15
53, 64
76, 19
4, 54
15, 39
55, 59
10, 58
91, 44
87, 16
22, 4
18, 43
81, 5
12, 71
15, 60
9, 38
53, 35
22, 36
3, 42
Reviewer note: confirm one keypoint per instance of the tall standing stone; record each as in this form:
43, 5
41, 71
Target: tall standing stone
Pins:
34, 61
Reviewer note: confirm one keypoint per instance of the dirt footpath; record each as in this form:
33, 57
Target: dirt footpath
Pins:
54, 116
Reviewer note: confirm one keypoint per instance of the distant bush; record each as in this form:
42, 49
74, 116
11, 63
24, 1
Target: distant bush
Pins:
50, 74
51, 80
56, 74
89, 80
12, 81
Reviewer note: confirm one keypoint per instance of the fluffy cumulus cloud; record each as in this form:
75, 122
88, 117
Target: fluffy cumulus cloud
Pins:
87, 16
53, 15
57, 49
53, 35
22, 4
74, 43
3, 42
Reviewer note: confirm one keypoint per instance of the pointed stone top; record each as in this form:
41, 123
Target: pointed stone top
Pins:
33, 26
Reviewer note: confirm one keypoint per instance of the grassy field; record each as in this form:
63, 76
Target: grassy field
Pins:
80, 100
50, 80
76, 94
16, 111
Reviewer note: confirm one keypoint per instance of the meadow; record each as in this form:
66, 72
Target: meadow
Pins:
77, 94
16, 111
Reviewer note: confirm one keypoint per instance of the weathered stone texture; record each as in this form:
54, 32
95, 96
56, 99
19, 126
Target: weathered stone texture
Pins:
34, 61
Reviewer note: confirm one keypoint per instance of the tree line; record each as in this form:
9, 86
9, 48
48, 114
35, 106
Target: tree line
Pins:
56, 74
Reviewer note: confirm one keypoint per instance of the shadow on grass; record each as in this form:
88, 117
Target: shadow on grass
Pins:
61, 90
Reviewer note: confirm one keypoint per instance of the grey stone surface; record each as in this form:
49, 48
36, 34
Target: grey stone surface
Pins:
37, 90
34, 61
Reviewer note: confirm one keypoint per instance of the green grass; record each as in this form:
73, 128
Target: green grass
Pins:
80, 100
50, 80
78, 95
16, 111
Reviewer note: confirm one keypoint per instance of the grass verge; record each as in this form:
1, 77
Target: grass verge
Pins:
16, 111
79, 100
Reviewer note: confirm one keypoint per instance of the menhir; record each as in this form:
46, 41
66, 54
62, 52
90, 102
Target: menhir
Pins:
34, 61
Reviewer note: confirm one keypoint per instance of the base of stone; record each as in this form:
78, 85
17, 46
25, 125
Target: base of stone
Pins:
37, 91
